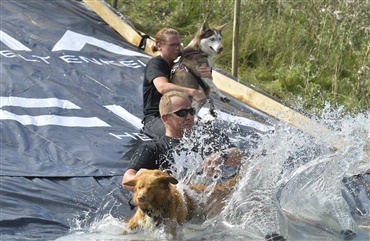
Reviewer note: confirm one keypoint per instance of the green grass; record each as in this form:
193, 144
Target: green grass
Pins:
311, 51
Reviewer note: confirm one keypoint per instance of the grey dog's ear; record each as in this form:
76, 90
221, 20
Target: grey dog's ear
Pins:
204, 28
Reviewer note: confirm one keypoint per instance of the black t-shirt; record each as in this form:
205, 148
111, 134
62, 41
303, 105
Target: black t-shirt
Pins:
156, 67
159, 153
155, 154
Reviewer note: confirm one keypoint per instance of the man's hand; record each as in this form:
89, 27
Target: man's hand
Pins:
205, 72
141, 170
199, 96
129, 175
212, 164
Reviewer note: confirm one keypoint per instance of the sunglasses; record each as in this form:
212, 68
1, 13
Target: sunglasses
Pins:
183, 112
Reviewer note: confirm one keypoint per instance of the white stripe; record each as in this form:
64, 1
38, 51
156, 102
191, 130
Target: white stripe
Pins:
12, 43
124, 114
75, 42
45, 120
36, 103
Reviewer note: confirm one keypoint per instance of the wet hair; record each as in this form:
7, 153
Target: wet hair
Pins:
165, 104
160, 37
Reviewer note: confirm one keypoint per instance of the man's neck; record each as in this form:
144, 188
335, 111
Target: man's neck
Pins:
174, 136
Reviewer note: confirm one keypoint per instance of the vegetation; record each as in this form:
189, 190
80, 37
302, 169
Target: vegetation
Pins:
314, 51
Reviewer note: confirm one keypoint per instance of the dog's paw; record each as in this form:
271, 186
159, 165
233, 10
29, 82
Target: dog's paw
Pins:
224, 99
212, 112
348, 234
207, 119
274, 237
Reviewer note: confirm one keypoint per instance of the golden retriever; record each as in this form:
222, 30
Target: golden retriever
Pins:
159, 202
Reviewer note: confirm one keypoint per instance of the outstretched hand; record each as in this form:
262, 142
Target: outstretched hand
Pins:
212, 164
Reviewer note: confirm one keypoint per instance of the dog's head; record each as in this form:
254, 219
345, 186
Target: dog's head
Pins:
151, 188
211, 39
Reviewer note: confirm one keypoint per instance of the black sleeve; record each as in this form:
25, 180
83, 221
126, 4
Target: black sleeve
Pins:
146, 156
157, 68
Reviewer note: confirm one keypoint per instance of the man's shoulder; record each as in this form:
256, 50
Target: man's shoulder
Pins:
163, 142
151, 143
156, 142
156, 60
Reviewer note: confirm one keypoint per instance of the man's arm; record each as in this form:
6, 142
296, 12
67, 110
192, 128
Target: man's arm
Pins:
163, 86
128, 176
142, 159
232, 157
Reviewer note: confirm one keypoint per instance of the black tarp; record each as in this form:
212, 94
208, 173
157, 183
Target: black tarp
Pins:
70, 115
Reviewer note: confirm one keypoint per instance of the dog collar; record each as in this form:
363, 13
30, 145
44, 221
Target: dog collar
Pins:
157, 216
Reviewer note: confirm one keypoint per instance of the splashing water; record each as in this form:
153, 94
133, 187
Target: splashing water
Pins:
290, 183
100, 220
301, 178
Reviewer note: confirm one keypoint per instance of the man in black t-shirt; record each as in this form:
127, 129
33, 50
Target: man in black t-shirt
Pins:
178, 117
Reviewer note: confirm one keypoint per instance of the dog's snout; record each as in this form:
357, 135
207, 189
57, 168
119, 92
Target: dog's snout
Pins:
140, 197
220, 49
217, 50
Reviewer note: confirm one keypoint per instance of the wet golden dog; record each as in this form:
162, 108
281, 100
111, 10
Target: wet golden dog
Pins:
161, 203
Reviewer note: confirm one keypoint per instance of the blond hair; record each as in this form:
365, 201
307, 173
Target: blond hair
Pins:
160, 37
165, 104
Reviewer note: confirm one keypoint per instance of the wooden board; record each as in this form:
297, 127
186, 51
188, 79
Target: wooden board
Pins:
273, 108
124, 29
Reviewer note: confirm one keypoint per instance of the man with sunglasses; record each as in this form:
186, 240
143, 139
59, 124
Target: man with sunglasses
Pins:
178, 117
156, 80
